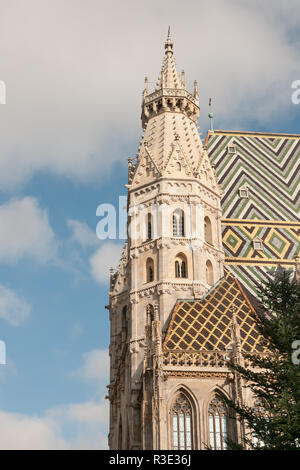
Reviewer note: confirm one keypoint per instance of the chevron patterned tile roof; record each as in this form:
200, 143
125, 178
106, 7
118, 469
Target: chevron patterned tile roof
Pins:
268, 163
206, 324
268, 167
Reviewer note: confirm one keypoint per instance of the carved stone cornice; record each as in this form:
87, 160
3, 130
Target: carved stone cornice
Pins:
196, 374
168, 197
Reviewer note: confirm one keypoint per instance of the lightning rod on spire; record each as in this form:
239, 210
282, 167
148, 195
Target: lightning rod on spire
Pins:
210, 115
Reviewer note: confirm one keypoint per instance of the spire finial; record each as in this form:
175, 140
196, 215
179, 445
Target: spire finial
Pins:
145, 93
196, 94
169, 43
183, 78
210, 115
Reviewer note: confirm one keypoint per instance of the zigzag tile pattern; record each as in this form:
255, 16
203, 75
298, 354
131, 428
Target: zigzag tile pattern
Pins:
280, 241
269, 165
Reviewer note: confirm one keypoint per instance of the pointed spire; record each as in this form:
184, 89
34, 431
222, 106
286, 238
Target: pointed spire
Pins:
210, 115
235, 336
146, 87
168, 77
169, 43
196, 94
170, 93
183, 78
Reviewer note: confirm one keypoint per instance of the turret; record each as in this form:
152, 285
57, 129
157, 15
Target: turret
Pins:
170, 93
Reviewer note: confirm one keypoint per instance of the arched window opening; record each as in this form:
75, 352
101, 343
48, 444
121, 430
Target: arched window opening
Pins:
181, 415
178, 223
181, 266
217, 417
149, 227
209, 273
207, 230
150, 270
177, 269
183, 269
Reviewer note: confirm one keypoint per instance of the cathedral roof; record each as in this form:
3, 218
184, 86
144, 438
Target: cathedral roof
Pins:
268, 163
206, 324
259, 173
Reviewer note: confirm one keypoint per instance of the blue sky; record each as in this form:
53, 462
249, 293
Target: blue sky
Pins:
74, 75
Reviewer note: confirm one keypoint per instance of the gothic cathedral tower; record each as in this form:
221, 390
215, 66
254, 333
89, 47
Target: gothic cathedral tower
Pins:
173, 252
174, 247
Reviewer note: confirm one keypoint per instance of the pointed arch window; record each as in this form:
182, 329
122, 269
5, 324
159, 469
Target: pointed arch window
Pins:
181, 266
150, 270
217, 418
181, 415
208, 230
178, 223
177, 269
209, 273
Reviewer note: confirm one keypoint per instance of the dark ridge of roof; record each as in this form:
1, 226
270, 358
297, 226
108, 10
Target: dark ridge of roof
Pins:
251, 134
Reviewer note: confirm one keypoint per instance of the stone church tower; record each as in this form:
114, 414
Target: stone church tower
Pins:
176, 316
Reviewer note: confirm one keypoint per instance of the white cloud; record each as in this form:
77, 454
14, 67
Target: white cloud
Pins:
82, 234
12, 308
95, 367
107, 256
21, 432
88, 412
25, 231
73, 96
88, 422
71, 426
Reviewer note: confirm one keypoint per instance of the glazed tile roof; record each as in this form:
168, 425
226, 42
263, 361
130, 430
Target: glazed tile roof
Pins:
268, 165
206, 324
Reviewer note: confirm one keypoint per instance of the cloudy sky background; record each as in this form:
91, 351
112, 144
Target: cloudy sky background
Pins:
74, 72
